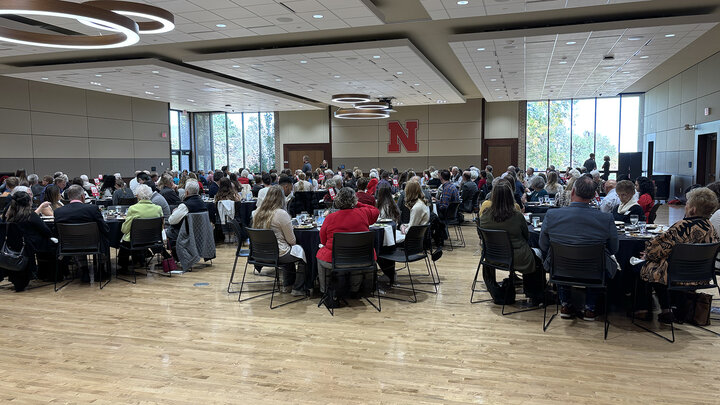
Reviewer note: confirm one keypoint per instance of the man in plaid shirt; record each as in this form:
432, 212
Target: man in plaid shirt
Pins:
447, 193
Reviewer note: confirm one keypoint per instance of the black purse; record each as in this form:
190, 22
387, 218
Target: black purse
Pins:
12, 260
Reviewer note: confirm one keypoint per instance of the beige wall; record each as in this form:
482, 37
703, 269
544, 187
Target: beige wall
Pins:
674, 103
501, 120
447, 135
45, 128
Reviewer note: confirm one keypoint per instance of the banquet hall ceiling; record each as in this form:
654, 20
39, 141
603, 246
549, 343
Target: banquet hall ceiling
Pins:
439, 37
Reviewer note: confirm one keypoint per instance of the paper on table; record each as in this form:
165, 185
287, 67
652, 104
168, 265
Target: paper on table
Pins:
297, 251
635, 261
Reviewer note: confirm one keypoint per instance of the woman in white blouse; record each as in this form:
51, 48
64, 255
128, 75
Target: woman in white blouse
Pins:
419, 209
272, 215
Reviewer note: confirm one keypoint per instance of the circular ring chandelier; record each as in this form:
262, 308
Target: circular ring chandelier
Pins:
350, 98
105, 15
357, 114
162, 20
127, 30
372, 105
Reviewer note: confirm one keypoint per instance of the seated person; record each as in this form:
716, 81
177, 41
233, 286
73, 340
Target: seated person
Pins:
537, 184
352, 216
628, 203
502, 215
362, 195
272, 216
447, 193
646, 193
611, 201
108, 187
386, 205
168, 189
77, 212
488, 200
36, 236
192, 203
121, 191
52, 198
467, 192
579, 224
695, 227
144, 208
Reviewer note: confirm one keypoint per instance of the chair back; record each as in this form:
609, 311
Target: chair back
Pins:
497, 250
475, 201
303, 201
146, 233
240, 233
579, 264
263, 247
127, 201
353, 250
415, 240
451, 213
692, 263
652, 216
78, 239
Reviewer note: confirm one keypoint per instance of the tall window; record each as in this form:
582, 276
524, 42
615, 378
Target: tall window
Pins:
565, 132
180, 146
239, 140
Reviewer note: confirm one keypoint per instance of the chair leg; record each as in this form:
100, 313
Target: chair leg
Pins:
412, 288
474, 290
108, 268
117, 266
607, 323
377, 292
512, 287
557, 307
57, 274
277, 283
232, 275
645, 328
242, 286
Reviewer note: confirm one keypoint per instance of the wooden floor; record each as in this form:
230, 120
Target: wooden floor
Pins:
169, 341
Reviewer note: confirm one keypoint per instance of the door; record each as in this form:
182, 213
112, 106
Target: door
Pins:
706, 158
500, 153
317, 152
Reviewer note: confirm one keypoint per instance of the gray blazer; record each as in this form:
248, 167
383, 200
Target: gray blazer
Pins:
579, 224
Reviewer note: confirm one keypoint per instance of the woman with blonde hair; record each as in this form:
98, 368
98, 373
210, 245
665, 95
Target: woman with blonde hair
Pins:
417, 204
302, 184
272, 215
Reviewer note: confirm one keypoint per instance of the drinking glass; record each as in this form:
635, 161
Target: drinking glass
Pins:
634, 219
643, 227
535, 221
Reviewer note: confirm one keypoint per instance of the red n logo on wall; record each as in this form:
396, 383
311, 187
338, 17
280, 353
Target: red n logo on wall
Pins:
408, 138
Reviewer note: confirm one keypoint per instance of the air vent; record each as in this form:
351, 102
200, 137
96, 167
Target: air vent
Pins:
608, 57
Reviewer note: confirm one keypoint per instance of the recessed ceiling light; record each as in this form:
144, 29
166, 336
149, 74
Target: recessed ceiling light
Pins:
278, 80
149, 92
488, 67
236, 66
416, 84
220, 25
191, 100
44, 78
155, 71
399, 73
157, 87
634, 38
493, 80
108, 89
318, 16
337, 76
562, 62
98, 75
462, 2
428, 93
376, 56
481, 49
570, 43
644, 57
669, 35
303, 61
500, 97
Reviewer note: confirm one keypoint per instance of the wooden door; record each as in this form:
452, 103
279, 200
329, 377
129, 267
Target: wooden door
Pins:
317, 152
706, 156
500, 153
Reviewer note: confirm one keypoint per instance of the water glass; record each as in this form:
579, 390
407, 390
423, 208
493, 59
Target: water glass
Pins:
535, 221
643, 227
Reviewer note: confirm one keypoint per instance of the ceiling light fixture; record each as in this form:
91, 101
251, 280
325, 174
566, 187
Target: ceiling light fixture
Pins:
488, 67
221, 25
356, 114
350, 98
318, 16
481, 49
126, 30
570, 43
669, 35
462, 2
371, 105
161, 20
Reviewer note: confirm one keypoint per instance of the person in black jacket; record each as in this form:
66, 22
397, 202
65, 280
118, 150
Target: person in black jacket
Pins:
77, 212
168, 190
628, 203
23, 225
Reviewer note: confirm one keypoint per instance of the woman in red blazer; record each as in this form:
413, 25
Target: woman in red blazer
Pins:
352, 217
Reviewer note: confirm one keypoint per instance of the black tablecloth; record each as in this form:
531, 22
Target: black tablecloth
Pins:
536, 209
309, 240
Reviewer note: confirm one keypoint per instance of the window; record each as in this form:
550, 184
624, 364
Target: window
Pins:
565, 132
180, 140
239, 140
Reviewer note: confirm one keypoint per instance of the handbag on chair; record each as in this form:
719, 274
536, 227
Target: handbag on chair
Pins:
12, 260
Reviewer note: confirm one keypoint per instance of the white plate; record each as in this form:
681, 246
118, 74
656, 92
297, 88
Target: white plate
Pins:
619, 223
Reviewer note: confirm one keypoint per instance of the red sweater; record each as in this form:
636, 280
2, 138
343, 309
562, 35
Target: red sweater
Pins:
357, 219
372, 185
647, 203
365, 198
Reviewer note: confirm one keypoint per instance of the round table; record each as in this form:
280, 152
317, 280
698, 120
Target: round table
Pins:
536, 208
309, 240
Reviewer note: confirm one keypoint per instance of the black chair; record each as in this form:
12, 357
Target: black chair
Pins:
303, 201
352, 253
414, 250
239, 230
79, 240
127, 201
497, 253
690, 267
145, 233
652, 216
263, 252
451, 220
578, 266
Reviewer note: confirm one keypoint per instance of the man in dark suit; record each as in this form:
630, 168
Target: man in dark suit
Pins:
213, 189
580, 224
77, 212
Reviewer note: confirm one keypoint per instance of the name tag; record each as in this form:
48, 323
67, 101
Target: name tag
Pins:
332, 193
